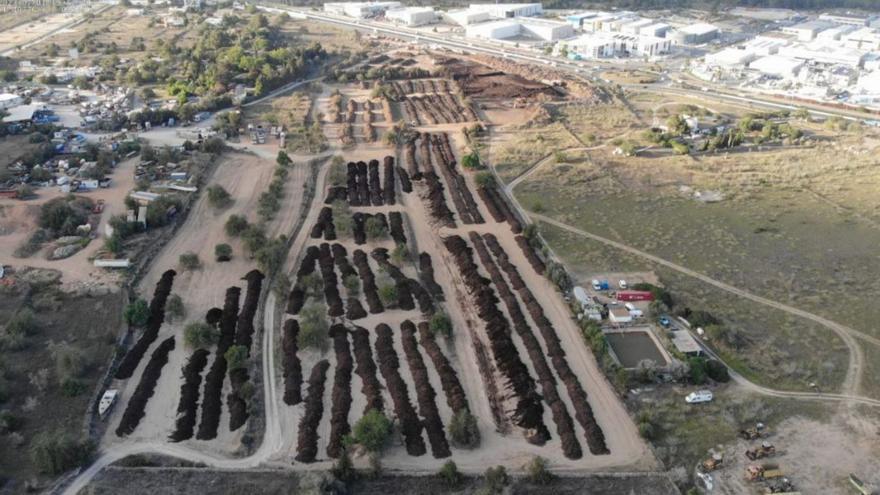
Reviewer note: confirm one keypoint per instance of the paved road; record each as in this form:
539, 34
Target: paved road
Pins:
856, 366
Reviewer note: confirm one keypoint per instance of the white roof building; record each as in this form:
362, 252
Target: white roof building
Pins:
360, 10
862, 39
466, 17
530, 28
730, 58
823, 53
508, 10
8, 100
835, 33
635, 26
807, 31
605, 45
412, 16
695, 34
777, 65
619, 315
869, 83
848, 20
657, 29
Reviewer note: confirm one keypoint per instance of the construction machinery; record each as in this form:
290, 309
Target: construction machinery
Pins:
753, 432
859, 485
755, 472
766, 449
780, 486
712, 463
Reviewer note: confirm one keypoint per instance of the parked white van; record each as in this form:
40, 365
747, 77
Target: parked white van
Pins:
699, 396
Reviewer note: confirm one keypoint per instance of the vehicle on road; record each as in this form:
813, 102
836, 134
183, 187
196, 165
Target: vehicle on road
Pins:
664, 322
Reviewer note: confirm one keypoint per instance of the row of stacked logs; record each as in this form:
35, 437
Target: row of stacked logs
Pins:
528, 412
583, 411
137, 404
151, 332
424, 392
410, 426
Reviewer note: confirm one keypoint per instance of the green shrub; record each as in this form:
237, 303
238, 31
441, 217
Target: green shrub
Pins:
236, 225
537, 472
236, 357
190, 261
200, 335
137, 313
450, 475
441, 325
56, 452
496, 479
372, 431
313, 328
463, 430
223, 252
218, 197
174, 306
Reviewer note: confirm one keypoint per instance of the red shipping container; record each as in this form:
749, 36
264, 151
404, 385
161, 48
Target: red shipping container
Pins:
635, 295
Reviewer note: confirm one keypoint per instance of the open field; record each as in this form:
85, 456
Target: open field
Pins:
40, 25
794, 225
49, 374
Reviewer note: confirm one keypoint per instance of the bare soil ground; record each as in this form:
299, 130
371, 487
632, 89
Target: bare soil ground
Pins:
24, 33
244, 177
186, 481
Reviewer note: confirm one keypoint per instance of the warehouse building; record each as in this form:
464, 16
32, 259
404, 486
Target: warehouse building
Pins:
360, 10
412, 16
807, 31
508, 10
635, 26
777, 66
695, 34
847, 20
607, 45
658, 30
527, 28
8, 100
466, 17
836, 33
862, 39
731, 58
824, 54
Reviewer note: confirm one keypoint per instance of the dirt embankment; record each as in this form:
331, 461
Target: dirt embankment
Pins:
150, 480
526, 76
484, 81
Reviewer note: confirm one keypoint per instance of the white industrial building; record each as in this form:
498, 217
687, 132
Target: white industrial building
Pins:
606, 45
9, 100
658, 30
836, 33
849, 20
360, 10
412, 16
616, 23
731, 58
869, 83
862, 39
807, 31
513, 28
695, 34
822, 53
466, 17
635, 26
508, 10
777, 65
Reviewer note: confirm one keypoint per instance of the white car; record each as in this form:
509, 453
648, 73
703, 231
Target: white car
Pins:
699, 396
622, 284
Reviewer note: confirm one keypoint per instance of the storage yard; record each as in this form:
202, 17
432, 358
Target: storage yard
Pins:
373, 246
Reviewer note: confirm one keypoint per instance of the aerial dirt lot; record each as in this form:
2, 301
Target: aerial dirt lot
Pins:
425, 234
244, 176
24, 33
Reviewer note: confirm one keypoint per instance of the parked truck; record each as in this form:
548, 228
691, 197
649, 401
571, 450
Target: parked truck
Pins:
600, 284
635, 295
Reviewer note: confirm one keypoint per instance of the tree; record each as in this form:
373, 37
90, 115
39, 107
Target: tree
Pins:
236, 357
56, 452
200, 335
352, 285
485, 179
236, 225
388, 293
218, 197
471, 161
270, 256
450, 475
676, 125
496, 479
698, 370
400, 254
174, 306
717, 371
137, 313
441, 325
283, 159
190, 261
24, 191
313, 329
463, 430
537, 471
375, 228
223, 252
372, 431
